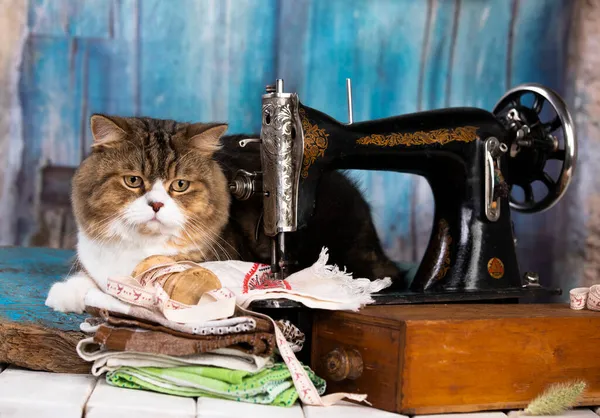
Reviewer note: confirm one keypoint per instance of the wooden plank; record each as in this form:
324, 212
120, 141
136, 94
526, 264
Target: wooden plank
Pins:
190, 71
545, 65
582, 261
48, 88
292, 33
80, 18
55, 225
64, 82
479, 54
13, 21
436, 54
51, 224
531, 23
49, 17
110, 72
92, 19
31, 334
376, 45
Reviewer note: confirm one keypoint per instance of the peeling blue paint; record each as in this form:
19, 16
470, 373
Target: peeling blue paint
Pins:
26, 275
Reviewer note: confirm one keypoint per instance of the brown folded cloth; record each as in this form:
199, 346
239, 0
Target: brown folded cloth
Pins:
122, 320
145, 341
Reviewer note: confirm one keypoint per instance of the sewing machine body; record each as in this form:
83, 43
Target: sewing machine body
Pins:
444, 147
470, 157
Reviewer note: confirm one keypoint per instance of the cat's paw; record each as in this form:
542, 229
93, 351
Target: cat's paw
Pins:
69, 295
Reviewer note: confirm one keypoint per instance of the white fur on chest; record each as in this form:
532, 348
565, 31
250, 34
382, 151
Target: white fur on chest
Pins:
103, 260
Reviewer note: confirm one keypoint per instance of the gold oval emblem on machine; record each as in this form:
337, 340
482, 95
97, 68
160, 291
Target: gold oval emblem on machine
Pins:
495, 268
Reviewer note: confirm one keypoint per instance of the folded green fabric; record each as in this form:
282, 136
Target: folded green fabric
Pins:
271, 386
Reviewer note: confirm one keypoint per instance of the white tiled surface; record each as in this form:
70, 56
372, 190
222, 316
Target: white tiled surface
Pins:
219, 408
26, 393
575, 413
109, 401
470, 415
347, 410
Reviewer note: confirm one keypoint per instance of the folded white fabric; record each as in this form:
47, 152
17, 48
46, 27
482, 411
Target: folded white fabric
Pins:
320, 286
107, 360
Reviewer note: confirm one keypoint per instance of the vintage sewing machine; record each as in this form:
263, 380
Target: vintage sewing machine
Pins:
471, 158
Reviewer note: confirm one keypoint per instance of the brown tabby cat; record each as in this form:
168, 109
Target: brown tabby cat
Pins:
153, 187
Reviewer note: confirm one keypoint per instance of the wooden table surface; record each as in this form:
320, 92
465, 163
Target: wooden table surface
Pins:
26, 275
31, 334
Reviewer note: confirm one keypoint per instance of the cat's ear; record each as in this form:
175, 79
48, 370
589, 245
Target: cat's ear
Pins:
107, 131
206, 137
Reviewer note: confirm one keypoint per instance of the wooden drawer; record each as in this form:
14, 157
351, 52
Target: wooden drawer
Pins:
428, 359
377, 372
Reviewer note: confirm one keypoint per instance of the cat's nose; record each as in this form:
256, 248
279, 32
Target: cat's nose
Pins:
156, 206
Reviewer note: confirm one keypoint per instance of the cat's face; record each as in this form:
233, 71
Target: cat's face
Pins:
152, 180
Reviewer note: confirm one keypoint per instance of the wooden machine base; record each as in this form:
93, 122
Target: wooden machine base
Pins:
428, 359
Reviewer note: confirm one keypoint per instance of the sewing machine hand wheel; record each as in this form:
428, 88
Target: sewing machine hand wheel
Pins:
535, 143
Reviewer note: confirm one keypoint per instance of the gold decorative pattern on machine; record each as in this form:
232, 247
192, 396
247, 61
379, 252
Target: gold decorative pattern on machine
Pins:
438, 136
445, 241
495, 268
315, 143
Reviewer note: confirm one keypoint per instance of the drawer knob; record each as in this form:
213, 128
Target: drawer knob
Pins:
343, 364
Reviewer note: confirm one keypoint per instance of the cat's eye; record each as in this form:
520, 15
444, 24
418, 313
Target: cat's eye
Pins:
133, 181
180, 185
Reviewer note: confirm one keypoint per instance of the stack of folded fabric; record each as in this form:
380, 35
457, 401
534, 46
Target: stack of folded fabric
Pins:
184, 328
272, 386
232, 358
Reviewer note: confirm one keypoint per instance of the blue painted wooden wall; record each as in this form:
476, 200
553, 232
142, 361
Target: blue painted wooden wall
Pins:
206, 60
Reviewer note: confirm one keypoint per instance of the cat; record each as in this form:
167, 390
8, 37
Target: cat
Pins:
160, 187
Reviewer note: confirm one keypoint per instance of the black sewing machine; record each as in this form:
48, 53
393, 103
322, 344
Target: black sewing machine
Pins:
471, 158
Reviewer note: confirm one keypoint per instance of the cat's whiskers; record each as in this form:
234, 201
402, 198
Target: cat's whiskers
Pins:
208, 243
215, 238
203, 231
182, 228
102, 224
197, 230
